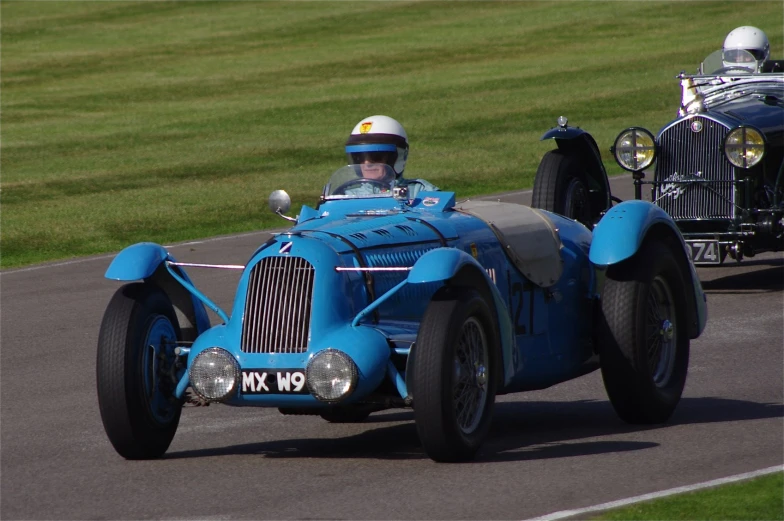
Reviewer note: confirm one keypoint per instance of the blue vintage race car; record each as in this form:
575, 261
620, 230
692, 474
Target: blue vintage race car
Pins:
373, 301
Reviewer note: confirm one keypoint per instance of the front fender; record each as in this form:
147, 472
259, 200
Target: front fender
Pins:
578, 143
146, 261
137, 262
462, 269
621, 231
440, 264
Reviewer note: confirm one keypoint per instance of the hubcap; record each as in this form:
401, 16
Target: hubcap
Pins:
157, 358
661, 332
469, 392
576, 204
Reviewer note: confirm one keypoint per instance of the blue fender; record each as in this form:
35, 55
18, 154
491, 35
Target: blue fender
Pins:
448, 263
141, 261
440, 264
621, 231
137, 262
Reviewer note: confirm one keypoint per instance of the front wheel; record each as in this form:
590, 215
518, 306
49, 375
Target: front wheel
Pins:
561, 186
644, 342
135, 371
454, 378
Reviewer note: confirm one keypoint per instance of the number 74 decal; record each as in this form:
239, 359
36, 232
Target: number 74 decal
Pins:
704, 252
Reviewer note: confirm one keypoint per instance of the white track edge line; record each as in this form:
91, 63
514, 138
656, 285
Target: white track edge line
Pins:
656, 495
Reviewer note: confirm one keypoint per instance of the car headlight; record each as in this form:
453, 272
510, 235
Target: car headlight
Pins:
744, 147
634, 149
215, 374
331, 375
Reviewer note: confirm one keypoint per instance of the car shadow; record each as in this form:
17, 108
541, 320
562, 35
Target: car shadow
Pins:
767, 277
521, 430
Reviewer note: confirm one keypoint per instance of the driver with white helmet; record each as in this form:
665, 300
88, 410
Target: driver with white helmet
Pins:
751, 40
378, 140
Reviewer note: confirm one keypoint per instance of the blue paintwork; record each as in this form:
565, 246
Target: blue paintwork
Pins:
545, 333
621, 231
137, 262
140, 261
441, 264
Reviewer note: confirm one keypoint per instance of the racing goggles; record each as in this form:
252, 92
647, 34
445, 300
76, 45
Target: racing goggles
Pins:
387, 158
372, 153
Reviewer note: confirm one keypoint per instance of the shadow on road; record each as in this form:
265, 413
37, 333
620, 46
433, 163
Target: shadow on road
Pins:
521, 430
752, 276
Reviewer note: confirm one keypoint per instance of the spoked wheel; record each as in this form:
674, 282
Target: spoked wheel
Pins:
644, 343
561, 186
135, 371
454, 380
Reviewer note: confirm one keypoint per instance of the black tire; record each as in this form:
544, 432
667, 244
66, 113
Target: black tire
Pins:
347, 413
457, 325
561, 186
644, 341
135, 390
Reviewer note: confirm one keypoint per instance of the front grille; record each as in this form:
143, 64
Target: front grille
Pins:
685, 155
277, 307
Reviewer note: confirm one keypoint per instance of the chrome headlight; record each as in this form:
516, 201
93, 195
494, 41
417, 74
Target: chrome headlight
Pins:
215, 374
634, 149
744, 147
331, 375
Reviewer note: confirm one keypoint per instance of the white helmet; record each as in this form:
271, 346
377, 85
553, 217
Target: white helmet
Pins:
380, 138
749, 39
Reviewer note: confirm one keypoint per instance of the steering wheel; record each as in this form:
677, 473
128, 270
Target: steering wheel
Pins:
733, 68
341, 190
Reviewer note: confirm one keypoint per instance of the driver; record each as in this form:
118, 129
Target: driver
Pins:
377, 141
749, 39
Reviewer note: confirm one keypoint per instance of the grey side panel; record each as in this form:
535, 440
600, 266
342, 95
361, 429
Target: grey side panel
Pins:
529, 238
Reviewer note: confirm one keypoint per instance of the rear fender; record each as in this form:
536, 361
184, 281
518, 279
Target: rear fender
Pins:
458, 268
620, 234
147, 261
578, 143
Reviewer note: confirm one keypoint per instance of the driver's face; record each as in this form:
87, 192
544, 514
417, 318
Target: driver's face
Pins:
372, 170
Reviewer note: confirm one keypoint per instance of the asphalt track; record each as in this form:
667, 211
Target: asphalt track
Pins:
558, 449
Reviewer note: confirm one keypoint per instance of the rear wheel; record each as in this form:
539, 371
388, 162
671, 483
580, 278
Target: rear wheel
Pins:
561, 186
454, 380
644, 342
134, 371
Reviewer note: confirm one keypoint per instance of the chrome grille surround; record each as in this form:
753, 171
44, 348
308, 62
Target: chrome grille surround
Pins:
278, 306
705, 180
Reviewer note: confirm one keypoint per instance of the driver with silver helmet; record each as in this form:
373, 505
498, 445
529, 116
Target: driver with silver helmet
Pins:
376, 141
750, 39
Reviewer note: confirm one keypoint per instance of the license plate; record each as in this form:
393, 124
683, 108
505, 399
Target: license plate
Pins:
704, 252
273, 381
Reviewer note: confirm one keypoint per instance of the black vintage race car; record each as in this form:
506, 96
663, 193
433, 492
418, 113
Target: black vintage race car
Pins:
718, 165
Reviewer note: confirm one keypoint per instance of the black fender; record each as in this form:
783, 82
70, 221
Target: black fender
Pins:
578, 143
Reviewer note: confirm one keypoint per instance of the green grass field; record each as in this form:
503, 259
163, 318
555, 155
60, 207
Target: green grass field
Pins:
168, 121
760, 499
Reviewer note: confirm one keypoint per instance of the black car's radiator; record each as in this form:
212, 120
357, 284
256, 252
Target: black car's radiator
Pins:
277, 307
691, 150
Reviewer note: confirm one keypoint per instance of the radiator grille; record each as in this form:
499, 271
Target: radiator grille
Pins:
687, 155
278, 305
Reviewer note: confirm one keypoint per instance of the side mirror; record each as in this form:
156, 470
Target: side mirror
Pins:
280, 203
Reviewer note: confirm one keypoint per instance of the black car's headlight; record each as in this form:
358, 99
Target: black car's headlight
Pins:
634, 149
215, 374
744, 147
